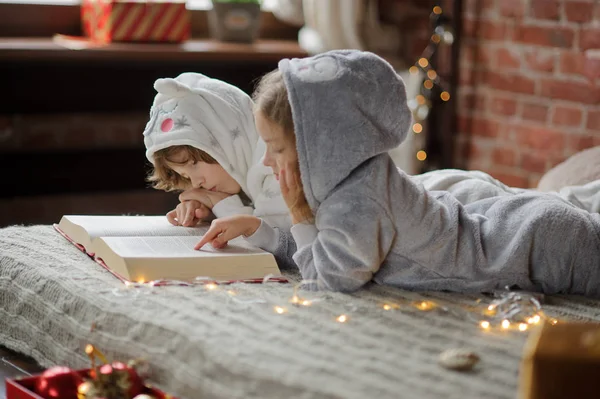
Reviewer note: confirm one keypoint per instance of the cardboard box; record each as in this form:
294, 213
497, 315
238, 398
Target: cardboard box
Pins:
105, 21
561, 361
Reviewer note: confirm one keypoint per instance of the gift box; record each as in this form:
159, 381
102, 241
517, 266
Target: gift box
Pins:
24, 388
562, 361
104, 21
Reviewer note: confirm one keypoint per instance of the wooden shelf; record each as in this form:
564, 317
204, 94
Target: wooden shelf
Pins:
45, 49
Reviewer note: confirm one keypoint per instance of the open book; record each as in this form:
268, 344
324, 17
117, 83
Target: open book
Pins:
148, 248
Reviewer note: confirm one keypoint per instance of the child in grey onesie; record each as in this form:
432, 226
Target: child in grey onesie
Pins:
328, 122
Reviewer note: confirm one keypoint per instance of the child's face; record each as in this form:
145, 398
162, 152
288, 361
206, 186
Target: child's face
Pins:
210, 176
281, 148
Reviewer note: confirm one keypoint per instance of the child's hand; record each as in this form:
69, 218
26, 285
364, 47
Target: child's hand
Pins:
188, 214
225, 229
207, 198
292, 194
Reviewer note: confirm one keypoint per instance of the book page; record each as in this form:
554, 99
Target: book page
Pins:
132, 226
174, 247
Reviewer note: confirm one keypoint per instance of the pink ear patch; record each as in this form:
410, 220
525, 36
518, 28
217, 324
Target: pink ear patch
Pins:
167, 125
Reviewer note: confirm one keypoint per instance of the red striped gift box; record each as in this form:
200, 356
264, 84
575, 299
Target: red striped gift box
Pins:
130, 21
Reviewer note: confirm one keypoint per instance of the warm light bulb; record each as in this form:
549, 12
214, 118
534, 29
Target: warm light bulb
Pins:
421, 155
279, 310
553, 322
536, 319
141, 281
387, 307
485, 325
423, 62
413, 70
421, 99
522, 327
448, 37
306, 303
295, 299
417, 128
435, 38
127, 284
491, 307
431, 74
428, 84
425, 305
342, 318
210, 286
437, 10
445, 96
505, 324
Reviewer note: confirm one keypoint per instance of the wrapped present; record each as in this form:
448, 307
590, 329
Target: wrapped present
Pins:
104, 21
562, 361
114, 380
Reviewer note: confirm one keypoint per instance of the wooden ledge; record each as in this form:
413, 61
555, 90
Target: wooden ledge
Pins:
45, 49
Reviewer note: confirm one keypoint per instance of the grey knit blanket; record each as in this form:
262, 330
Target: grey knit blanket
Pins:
231, 343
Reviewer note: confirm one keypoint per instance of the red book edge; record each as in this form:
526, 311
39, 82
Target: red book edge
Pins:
166, 282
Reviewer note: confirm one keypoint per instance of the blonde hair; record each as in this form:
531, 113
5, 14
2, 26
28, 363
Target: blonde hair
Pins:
271, 99
162, 177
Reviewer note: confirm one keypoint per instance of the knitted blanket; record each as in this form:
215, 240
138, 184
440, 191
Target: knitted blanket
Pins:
230, 343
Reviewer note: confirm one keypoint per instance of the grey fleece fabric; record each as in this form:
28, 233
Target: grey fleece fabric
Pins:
375, 223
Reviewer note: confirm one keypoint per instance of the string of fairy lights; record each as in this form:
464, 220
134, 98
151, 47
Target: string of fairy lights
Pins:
421, 104
506, 311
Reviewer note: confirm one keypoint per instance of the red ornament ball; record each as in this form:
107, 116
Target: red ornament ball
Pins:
58, 382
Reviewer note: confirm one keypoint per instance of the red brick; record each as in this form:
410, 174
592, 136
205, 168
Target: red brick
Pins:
535, 112
507, 58
545, 9
539, 60
504, 156
480, 127
503, 106
513, 83
581, 142
571, 91
472, 102
532, 162
591, 64
567, 116
476, 54
579, 11
572, 62
512, 8
512, 180
593, 120
545, 36
540, 138
485, 29
589, 39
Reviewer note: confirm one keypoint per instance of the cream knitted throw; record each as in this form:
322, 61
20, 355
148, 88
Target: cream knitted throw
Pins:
209, 344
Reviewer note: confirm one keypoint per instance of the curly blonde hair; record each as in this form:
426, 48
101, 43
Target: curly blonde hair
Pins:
162, 177
271, 99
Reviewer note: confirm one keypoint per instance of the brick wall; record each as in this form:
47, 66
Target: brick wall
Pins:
530, 85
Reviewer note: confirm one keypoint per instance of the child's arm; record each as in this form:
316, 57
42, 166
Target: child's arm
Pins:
259, 233
346, 247
221, 204
277, 241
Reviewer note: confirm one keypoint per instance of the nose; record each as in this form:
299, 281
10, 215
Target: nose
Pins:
197, 182
267, 160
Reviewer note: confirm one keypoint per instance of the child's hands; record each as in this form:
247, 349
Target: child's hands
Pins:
292, 194
188, 214
225, 229
206, 197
